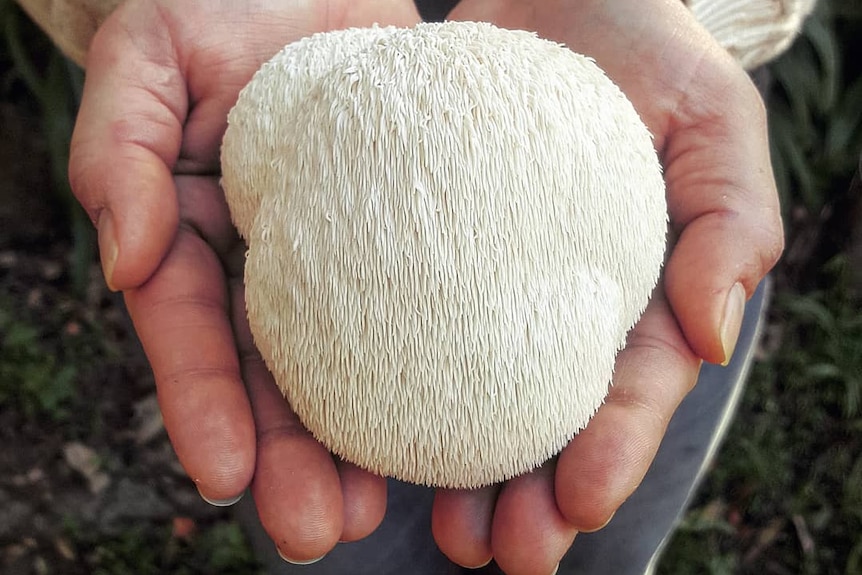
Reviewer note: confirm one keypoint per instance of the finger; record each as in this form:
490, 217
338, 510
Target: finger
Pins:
181, 317
530, 535
461, 523
127, 137
606, 461
364, 499
723, 201
296, 485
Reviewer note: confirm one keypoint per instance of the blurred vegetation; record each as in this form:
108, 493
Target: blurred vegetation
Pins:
816, 108
785, 494
55, 85
137, 551
33, 380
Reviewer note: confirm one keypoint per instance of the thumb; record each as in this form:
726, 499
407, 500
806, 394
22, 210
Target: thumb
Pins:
723, 202
127, 136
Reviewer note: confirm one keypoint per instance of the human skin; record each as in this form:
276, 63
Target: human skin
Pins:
161, 77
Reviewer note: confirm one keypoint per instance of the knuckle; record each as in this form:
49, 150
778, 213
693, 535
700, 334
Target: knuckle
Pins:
84, 184
772, 244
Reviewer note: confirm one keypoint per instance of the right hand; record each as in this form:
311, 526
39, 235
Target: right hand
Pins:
161, 78
709, 130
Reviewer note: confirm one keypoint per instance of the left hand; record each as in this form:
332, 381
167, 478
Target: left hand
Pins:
709, 128
161, 77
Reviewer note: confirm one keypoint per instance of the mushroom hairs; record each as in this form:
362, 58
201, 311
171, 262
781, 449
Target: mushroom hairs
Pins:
451, 229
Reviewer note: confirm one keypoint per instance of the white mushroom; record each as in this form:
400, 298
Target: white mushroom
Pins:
753, 31
451, 229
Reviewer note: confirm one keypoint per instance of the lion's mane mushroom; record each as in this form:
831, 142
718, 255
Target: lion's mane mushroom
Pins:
451, 229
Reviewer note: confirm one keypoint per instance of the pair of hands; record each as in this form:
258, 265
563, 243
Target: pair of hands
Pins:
161, 77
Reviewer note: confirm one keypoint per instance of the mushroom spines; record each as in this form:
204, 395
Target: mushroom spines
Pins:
457, 228
286, 77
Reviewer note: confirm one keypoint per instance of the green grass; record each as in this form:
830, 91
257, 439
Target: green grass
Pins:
32, 378
816, 108
785, 495
221, 549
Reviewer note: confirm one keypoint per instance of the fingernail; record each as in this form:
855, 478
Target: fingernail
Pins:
297, 561
107, 246
557, 568
485, 564
731, 322
600, 527
221, 502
